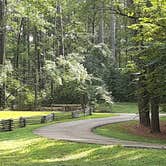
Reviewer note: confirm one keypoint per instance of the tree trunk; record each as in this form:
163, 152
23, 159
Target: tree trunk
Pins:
113, 33
101, 23
143, 106
2, 49
143, 103
36, 68
155, 120
93, 22
2, 32
17, 58
60, 29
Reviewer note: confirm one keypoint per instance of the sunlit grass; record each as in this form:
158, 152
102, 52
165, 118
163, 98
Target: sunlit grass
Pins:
118, 108
17, 114
125, 108
22, 148
31, 150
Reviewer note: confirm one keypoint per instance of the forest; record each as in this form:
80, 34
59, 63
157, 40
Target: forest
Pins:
78, 51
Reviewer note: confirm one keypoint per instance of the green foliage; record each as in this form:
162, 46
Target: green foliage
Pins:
72, 81
4, 71
37, 31
99, 62
163, 108
149, 58
98, 59
119, 82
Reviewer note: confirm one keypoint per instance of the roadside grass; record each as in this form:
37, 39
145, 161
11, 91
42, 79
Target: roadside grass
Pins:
118, 131
22, 148
118, 108
98, 115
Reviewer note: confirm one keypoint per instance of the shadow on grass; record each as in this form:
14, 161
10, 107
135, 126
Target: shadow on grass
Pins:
22, 148
58, 153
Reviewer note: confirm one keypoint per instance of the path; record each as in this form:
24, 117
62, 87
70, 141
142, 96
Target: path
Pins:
81, 131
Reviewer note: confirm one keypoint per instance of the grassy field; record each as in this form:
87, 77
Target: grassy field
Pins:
118, 108
22, 148
17, 114
118, 131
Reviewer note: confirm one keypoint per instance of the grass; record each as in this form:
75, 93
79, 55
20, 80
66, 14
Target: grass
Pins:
118, 131
99, 115
22, 148
125, 108
59, 115
17, 114
118, 108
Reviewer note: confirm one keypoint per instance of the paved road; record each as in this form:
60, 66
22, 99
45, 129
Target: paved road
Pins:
81, 131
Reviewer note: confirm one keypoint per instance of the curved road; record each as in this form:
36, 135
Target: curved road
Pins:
81, 131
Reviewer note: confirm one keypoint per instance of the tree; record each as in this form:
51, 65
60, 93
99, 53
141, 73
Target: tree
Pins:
150, 31
2, 49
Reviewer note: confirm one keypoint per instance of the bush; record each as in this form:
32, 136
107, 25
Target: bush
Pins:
103, 108
163, 108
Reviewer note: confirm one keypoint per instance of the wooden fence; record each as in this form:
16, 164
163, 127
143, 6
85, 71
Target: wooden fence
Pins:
83, 112
11, 124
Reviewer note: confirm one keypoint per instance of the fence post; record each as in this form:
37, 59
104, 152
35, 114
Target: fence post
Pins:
90, 111
22, 122
7, 125
43, 119
72, 114
53, 116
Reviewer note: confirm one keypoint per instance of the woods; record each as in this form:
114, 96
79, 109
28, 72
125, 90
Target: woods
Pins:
87, 52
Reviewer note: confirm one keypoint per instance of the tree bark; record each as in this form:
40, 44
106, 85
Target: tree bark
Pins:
60, 29
155, 120
101, 23
2, 49
143, 106
143, 103
113, 33
36, 68
17, 58
93, 22
2, 32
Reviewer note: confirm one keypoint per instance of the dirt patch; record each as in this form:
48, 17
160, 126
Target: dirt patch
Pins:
146, 132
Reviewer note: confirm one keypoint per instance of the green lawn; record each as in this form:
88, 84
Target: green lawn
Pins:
59, 115
17, 114
118, 108
118, 131
22, 148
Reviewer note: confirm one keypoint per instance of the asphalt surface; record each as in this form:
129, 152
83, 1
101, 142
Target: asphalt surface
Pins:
81, 131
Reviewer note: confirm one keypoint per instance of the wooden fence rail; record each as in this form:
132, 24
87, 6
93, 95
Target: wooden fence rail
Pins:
83, 112
10, 124
7, 125
22, 122
48, 118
